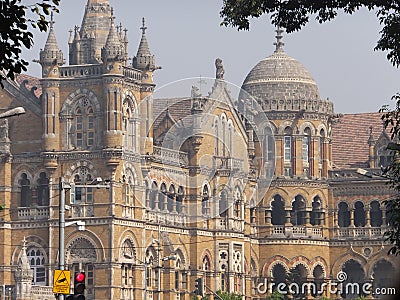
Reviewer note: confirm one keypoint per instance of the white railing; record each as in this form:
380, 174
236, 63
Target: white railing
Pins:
360, 231
170, 156
33, 213
42, 292
81, 71
297, 231
167, 218
128, 212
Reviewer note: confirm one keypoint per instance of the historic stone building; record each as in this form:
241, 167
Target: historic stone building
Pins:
178, 198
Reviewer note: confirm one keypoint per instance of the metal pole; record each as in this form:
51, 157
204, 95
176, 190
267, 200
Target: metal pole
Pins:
61, 224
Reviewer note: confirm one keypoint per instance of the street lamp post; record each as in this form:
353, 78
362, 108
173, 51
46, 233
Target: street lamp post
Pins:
61, 229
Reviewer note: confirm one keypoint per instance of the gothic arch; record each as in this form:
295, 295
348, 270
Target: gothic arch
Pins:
341, 260
78, 164
128, 235
305, 125
79, 93
92, 239
276, 259
207, 253
81, 249
31, 241
286, 124
24, 169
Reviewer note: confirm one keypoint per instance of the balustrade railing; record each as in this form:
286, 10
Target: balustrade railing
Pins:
33, 213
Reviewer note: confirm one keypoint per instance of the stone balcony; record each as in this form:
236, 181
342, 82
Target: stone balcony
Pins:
165, 217
33, 213
296, 231
359, 232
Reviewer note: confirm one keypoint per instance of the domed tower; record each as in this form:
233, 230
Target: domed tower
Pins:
289, 96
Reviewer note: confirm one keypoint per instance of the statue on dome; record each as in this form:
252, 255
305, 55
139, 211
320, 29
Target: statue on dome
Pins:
220, 69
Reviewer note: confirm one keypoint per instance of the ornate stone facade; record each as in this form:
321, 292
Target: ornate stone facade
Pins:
96, 118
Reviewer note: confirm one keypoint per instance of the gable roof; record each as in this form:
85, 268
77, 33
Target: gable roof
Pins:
350, 139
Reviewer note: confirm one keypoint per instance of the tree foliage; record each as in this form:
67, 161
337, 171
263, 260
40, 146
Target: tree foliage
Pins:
294, 14
229, 296
17, 21
391, 120
276, 296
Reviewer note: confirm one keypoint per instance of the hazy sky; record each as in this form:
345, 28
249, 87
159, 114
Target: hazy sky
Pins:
186, 38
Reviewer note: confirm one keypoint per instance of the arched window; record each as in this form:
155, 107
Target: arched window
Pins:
171, 198
26, 193
217, 141
321, 144
278, 274
224, 140
318, 274
306, 151
179, 200
230, 139
375, 214
223, 204
355, 273
162, 197
43, 190
206, 265
82, 195
85, 127
278, 211
343, 215
237, 204
298, 211
268, 152
131, 127
384, 275
287, 145
205, 201
385, 156
37, 263
154, 195
359, 214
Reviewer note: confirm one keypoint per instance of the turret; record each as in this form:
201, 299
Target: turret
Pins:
51, 55
143, 59
114, 49
24, 276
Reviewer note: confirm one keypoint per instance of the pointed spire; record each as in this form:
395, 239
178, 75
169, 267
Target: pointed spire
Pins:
279, 44
113, 48
24, 261
143, 46
51, 54
143, 58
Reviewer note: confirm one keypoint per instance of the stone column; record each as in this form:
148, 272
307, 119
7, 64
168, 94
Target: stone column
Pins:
307, 217
352, 217
287, 217
268, 217
367, 216
384, 221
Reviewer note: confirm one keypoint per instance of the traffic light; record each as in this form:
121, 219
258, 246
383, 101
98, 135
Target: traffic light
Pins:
199, 286
79, 286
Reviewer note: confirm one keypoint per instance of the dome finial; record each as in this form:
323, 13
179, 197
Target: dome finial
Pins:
279, 44
143, 28
51, 19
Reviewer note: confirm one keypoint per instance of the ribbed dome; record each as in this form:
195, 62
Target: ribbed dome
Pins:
280, 77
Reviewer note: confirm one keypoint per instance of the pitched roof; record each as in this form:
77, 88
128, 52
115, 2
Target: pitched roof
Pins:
350, 139
178, 108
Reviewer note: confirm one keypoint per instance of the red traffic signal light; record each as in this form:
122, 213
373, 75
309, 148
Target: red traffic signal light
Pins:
79, 284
